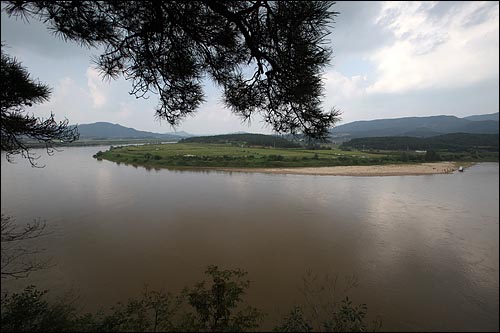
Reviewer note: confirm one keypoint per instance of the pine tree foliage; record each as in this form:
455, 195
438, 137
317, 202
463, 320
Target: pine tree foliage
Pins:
267, 57
17, 92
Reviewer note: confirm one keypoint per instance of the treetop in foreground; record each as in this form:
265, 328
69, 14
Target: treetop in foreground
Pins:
266, 56
18, 91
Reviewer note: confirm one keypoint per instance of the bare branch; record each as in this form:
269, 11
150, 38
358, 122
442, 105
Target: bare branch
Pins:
18, 255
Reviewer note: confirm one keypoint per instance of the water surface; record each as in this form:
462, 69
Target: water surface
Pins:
424, 248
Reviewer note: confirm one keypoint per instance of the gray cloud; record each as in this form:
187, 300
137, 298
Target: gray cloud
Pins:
355, 30
480, 98
442, 8
480, 15
356, 39
34, 37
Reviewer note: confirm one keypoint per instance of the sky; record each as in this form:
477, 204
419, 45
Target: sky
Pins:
390, 60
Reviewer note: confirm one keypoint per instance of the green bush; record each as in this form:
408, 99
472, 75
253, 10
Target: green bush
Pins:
98, 155
208, 307
215, 305
28, 311
431, 156
275, 157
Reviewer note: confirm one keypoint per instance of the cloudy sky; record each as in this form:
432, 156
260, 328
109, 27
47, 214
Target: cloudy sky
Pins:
390, 60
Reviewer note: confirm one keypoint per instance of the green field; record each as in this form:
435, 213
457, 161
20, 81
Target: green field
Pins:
220, 155
241, 155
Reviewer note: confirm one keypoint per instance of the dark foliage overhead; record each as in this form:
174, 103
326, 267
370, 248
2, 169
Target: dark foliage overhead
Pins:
267, 56
18, 91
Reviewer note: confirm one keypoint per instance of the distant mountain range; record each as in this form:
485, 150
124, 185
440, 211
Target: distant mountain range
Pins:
417, 126
105, 131
409, 126
491, 116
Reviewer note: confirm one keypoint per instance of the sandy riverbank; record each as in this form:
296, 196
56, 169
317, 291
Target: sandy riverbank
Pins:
361, 170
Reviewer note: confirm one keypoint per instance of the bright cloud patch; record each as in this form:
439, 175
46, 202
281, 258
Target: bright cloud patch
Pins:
455, 49
97, 88
341, 87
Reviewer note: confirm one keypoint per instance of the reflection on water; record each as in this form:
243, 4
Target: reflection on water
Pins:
425, 248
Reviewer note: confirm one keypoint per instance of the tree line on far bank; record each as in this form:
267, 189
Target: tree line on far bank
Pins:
454, 142
248, 139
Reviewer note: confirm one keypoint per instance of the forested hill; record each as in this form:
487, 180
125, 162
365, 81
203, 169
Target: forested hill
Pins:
418, 126
451, 142
104, 130
247, 138
483, 117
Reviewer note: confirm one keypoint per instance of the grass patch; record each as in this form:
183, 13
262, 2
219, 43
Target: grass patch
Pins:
195, 155
220, 155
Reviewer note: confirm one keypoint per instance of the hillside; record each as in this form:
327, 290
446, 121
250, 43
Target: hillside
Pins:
104, 130
481, 117
246, 138
418, 126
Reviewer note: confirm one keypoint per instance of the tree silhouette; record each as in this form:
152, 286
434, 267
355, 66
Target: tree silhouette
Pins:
18, 91
266, 56
18, 256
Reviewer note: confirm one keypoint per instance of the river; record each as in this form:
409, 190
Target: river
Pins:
424, 249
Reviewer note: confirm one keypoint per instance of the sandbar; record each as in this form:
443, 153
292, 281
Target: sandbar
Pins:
361, 170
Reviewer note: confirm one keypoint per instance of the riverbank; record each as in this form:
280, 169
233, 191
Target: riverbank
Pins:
279, 160
364, 170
